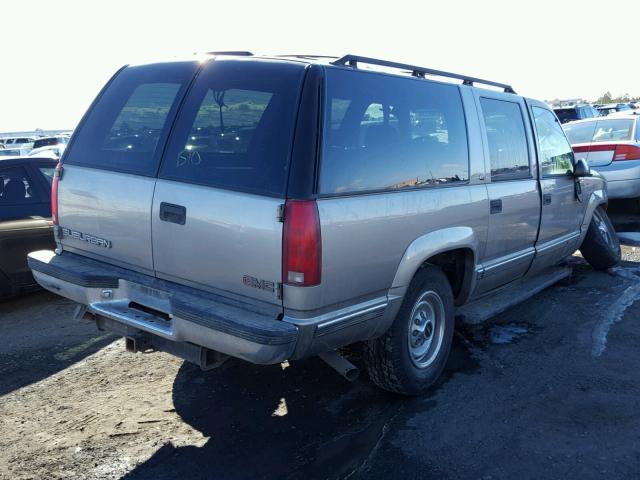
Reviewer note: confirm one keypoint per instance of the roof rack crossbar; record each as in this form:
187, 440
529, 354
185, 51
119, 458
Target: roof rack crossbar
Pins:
239, 53
305, 55
420, 72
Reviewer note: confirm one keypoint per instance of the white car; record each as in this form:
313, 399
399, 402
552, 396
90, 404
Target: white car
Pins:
19, 142
50, 151
14, 152
611, 145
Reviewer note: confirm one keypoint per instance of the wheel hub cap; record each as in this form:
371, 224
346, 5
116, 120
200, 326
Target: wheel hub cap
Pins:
426, 329
603, 229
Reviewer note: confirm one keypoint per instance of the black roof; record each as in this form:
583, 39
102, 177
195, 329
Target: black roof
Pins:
19, 161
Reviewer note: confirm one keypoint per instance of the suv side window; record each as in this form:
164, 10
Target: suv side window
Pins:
555, 153
507, 140
383, 132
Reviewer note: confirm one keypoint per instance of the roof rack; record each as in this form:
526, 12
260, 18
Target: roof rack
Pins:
307, 56
420, 72
239, 53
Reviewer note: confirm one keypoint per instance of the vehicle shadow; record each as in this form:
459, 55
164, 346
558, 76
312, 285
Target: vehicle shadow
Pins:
273, 422
40, 338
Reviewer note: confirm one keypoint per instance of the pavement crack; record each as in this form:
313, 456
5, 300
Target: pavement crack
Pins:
383, 432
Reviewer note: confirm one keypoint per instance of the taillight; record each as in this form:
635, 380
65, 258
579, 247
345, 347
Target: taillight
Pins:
301, 244
54, 193
626, 152
620, 151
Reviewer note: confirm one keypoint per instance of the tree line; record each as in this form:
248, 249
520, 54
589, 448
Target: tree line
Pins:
608, 98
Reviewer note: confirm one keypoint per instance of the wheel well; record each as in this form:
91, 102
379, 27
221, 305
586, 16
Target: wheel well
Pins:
458, 266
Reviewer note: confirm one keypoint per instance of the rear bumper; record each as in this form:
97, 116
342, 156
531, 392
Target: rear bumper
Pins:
178, 317
167, 310
623, 178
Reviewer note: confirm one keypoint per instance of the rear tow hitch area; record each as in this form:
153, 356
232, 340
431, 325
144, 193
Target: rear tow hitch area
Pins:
138, 341
205, 358
341, 365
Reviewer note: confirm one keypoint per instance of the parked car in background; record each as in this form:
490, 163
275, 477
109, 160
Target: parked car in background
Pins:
624, 113
299, 205
25, 218
576, 112
613, 107
50, 141
611, 145
19, 142
52, 151
14, 152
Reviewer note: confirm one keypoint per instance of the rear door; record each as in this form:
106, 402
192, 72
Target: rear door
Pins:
514, 198
223, 179
110, 167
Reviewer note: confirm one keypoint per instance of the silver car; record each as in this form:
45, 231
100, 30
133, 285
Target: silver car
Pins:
275, 208
612, 146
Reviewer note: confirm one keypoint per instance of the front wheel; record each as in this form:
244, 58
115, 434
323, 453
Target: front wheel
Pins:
410, 357
601, 247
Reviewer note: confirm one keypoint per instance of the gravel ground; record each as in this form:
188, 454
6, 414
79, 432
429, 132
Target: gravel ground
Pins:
549, 389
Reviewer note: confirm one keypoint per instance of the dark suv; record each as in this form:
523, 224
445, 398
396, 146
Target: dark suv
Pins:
576, 112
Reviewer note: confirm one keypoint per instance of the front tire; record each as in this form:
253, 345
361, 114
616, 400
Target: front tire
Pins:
601, 247
411, 355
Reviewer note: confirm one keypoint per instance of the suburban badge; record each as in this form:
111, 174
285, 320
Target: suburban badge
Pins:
100, 242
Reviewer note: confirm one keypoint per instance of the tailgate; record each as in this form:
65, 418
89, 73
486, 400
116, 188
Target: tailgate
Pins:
223, 178
106, 215
106, 188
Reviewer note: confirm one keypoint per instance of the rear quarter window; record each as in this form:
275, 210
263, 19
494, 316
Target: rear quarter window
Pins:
127, 127
383, 132
47, 173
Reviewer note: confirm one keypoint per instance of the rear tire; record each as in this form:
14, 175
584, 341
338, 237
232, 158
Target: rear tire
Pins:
411, 355
601, 247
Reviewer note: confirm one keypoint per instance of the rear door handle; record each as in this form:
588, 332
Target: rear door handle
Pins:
173, 213
495, 206
546, 199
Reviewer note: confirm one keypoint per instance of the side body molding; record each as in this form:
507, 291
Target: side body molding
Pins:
428, 245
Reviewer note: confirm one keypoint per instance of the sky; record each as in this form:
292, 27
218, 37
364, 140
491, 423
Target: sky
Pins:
57, 55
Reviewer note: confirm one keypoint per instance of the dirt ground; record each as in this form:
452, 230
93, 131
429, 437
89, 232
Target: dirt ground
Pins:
549, 389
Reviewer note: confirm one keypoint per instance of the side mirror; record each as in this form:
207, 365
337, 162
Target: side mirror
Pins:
581, 168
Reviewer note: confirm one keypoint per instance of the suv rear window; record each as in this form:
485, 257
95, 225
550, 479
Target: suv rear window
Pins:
600, 131
127, 127
235, 129
45, 142
383, 132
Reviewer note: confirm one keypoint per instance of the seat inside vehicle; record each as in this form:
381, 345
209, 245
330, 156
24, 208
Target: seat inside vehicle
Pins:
14, 191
